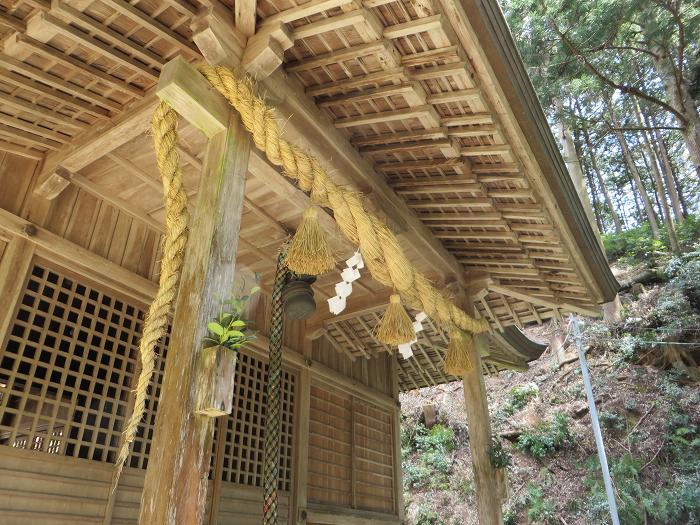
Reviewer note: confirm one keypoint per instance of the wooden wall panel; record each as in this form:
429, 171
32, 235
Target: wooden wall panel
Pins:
79, 217
351, 453
373, 372
374, 459
243, 505
330, 445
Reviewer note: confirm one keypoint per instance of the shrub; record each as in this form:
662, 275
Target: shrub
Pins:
519, 397
427, 515
636, 244
546, 437
438, 438
612, 421
415, 475
540, 509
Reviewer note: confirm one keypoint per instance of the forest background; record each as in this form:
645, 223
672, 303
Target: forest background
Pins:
619, 81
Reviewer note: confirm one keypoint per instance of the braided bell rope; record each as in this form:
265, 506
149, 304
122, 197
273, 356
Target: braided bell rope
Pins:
155, 325
379, 246
273, 418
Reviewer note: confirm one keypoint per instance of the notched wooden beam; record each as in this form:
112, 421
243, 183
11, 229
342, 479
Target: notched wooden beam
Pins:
264, 52
189, 93
217, 38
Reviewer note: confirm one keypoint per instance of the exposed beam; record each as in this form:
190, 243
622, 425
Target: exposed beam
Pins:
244, 16
44, 77
542, 302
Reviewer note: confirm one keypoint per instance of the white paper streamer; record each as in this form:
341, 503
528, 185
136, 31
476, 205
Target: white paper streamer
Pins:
343, 289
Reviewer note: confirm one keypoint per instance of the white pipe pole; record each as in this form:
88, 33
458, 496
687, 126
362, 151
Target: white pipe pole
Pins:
595, 423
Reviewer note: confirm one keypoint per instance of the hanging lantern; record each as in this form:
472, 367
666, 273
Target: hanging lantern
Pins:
298, 297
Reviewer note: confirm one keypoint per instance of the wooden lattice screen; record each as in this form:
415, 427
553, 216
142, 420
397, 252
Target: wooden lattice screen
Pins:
66, 369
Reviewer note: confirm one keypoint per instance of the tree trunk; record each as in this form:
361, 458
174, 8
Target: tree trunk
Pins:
673, 190
573, 164
658, 182
601, 182
634, 172
678, 92
592, 190
640, 216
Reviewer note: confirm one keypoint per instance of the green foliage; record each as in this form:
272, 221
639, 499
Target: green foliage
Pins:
499, 456
519, 396
432, 466
612, 421
415, 475
438, 438
427, 515
540, 509
229, 329
634, 245
547, 437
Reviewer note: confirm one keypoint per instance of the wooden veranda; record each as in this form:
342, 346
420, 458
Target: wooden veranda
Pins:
422, 106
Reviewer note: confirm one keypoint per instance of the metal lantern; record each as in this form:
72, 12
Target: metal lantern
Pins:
298, 297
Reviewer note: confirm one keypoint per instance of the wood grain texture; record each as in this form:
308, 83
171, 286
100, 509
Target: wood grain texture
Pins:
176, 480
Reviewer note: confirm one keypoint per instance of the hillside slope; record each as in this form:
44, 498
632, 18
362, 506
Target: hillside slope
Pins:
646, 389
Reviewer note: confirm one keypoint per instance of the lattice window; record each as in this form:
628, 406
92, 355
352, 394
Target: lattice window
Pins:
245, 427
66, 367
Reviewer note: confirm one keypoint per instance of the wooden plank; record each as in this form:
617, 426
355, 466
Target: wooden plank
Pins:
14, 265
412, 27
542, 302
103, 138
385, 116
175, 488
162, 31
44, 77
244, 16
97, 268
12, 22
71, 62
182, 87
304, 10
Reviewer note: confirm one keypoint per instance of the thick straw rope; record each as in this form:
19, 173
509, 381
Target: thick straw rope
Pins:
164, 130
379, 246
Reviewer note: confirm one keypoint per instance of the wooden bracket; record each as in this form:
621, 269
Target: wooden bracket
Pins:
265, 50
215, 35
192, 96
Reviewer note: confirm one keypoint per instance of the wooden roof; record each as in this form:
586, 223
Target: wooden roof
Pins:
417, 103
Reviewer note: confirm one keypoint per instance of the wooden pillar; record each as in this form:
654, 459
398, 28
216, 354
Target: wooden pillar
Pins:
612, 311
175, 489
301, 438
487, 499
14, 266
396, 430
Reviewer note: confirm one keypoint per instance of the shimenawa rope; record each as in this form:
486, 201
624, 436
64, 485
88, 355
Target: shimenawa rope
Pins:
164, 130
379, 246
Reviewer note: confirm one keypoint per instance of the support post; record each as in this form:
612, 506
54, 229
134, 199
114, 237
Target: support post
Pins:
301, 433
175, 489
488, 500
487, 496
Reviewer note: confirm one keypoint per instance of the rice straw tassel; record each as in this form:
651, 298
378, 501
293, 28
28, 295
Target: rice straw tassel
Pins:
396, 327
309, 253
458, 360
